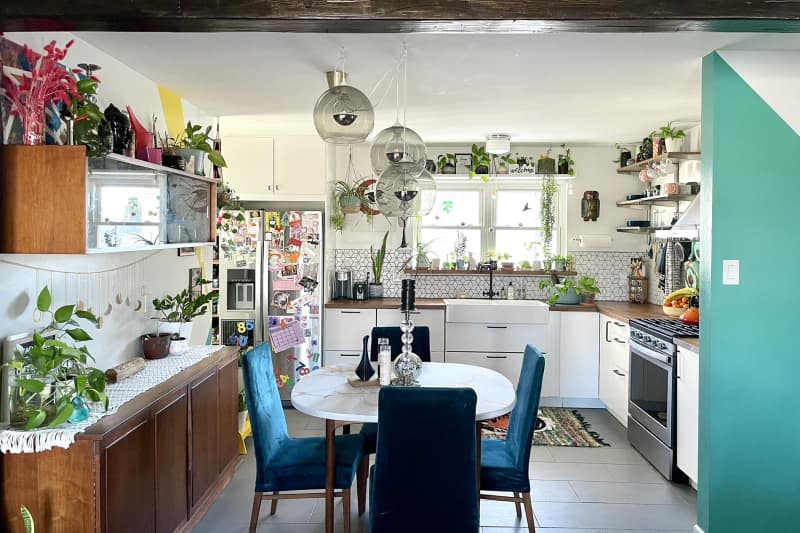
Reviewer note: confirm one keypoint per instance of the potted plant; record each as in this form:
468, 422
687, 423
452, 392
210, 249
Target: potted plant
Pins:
89, 124
194, 143
565, 162
377, 258
52, 383
547, 211
569, 263
479, 162
422, 254
242, 410
547, 263
673, 138
460, 251
178, 311
625, 155
569, 291
505, 263
587, 288
546, 164
446, 163
502, 163
349, 196
525, 265
559, 263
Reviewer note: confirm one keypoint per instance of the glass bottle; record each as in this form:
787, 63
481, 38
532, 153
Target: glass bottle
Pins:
384, 361
510, 291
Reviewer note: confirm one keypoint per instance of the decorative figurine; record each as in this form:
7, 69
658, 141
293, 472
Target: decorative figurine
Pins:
590, 205
120, 126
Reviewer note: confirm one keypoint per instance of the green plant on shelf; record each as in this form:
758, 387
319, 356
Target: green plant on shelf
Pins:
445, 160
480, 162
377, 258
584, 285
193, 136
668, 132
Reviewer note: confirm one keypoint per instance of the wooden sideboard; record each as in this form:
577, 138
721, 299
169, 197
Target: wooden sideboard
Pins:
156, 465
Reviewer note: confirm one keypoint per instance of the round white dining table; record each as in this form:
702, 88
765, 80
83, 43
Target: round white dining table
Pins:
327, 393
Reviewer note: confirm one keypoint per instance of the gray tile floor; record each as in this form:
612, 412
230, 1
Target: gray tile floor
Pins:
575, 490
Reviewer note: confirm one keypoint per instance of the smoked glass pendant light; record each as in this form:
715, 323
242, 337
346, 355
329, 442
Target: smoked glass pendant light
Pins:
343, 114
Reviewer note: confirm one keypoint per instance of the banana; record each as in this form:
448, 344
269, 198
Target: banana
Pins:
680, 293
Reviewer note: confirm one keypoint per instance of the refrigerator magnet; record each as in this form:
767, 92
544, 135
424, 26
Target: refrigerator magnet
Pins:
276, 261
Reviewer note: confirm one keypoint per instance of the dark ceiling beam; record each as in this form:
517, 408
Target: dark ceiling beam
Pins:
364, 16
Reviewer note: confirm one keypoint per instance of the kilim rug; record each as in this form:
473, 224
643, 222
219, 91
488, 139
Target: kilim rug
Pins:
555, 426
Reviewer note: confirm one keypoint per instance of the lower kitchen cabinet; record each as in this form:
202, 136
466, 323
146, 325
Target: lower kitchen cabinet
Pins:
157, 464
578, 357
688, 397
613, 370
432, 318
508, 364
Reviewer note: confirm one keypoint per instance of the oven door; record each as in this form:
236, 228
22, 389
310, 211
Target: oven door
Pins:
651, 391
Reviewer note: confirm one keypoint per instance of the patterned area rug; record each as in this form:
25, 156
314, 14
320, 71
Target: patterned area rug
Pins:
555, 426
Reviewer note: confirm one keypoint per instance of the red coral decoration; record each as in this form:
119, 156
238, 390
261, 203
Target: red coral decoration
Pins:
49, 81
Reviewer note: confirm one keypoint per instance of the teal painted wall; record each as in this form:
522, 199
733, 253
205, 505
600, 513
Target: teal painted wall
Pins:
749, 472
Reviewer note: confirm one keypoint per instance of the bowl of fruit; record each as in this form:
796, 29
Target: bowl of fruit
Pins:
678, 301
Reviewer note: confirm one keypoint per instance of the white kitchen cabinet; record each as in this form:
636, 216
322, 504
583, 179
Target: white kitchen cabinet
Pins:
578, 359
507, 364
276, 168
432, 318
688, 397
613, 368
551, 396
344, 329
347, 358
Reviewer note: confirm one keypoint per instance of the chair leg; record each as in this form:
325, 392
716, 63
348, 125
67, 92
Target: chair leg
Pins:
256, 510
526, 499
346, 509
274, 506
361, 484
517, 505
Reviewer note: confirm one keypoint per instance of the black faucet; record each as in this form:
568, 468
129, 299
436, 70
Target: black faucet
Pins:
490, 266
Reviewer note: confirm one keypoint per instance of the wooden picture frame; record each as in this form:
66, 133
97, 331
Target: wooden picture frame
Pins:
463, 161
183, 252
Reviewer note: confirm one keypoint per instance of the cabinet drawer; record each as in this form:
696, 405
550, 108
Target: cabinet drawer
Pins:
507, 364
344, 328
346, 358
432, 318
495, 337
618, 397
619, 354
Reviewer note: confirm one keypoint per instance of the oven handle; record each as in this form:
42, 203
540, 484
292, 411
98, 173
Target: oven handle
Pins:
651, 354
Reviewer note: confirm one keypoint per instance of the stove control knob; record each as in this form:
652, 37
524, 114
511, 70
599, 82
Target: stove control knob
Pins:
647, 338
663, 346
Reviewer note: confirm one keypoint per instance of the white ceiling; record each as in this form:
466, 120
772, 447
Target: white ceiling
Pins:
539, 87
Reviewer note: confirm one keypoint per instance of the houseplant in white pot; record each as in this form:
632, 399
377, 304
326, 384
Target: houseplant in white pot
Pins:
673, 138
178, 311
193, 144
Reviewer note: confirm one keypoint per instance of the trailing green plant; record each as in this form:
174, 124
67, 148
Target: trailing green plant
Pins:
443, 160
193, 136
479, 158
27, 519
566, 157
227, 197
346, 191
242, 402
89, 124
337, 220
547, 211
668, 132
525, 264
583, 285
377, 259
185, 305
51, 373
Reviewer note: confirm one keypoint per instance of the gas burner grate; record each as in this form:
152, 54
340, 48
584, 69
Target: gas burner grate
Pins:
666, 326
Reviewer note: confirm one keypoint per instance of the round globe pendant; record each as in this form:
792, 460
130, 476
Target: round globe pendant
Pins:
343, 115
401, 193
398, 145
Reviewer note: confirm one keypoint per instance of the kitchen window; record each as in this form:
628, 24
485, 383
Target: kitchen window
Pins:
502, 216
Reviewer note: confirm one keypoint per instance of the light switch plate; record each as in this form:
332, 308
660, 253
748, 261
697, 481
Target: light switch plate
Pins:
730, 271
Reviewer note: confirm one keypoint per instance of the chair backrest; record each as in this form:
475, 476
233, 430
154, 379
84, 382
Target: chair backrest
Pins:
263, 403
425, 463
523, 417
421, 343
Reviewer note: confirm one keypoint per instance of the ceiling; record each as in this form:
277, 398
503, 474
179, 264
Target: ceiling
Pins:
579, 88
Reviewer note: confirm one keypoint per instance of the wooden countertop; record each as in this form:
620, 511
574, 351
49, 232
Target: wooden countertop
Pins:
627, 311
384, 303
586, 308
690, 343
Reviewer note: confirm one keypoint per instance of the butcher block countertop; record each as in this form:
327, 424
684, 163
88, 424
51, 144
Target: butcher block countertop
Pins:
690, 343
384, 303
627, 311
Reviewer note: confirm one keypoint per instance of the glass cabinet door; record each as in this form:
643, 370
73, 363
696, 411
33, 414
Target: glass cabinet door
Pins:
188, 210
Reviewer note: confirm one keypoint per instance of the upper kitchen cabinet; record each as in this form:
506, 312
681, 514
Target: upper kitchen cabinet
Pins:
53, 200
276, 168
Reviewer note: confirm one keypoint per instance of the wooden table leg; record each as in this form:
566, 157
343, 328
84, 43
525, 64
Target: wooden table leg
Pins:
478, 458
330, 472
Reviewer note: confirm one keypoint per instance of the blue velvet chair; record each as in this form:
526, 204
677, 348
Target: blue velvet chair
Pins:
504, 463
425, 478
284, 463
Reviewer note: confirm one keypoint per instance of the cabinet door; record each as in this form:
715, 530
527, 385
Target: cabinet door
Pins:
250, 166
433, 318
507, 364
300, 166
172, 463
205, 424
228, 413
130, 481
607, 351
579, 355
345, 358
688, 392
344, 328
619, 341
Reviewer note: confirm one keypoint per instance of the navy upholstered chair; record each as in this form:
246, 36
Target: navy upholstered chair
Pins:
504, 463
425, 478
284, 463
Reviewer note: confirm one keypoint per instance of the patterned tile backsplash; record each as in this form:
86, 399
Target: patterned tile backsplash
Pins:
610, 269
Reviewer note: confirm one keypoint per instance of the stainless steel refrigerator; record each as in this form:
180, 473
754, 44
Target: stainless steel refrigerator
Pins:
277, 256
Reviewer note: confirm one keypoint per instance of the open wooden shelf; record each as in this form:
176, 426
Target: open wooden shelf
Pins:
636, 167
649, 229
498, 272
666, 200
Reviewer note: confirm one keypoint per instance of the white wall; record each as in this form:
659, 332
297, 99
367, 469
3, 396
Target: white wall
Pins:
160, 272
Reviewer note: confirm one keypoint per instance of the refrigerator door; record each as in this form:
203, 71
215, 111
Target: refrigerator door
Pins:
292, 299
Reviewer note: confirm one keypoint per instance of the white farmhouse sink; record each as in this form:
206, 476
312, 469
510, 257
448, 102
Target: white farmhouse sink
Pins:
497, 311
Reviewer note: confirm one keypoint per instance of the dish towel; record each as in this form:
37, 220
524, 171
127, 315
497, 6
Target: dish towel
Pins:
157, 371
673, 278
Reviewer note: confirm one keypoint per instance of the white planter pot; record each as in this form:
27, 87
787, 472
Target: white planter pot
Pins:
183, 329
674, 145
178, 346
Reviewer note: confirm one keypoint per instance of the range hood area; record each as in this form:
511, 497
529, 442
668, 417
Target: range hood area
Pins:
687, 226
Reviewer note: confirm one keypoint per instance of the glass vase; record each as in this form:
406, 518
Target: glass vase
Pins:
408, 365
32, 117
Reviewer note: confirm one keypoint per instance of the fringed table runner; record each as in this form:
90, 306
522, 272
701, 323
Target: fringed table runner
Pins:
157, 371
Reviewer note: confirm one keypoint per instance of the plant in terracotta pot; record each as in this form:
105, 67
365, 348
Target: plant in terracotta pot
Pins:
178, 311
194, 144
52, 383
377, 258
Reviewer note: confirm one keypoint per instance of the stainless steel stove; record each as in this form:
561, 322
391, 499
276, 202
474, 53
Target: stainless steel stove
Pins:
651, 388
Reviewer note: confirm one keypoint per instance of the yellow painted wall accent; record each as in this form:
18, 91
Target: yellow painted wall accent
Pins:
172, 105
